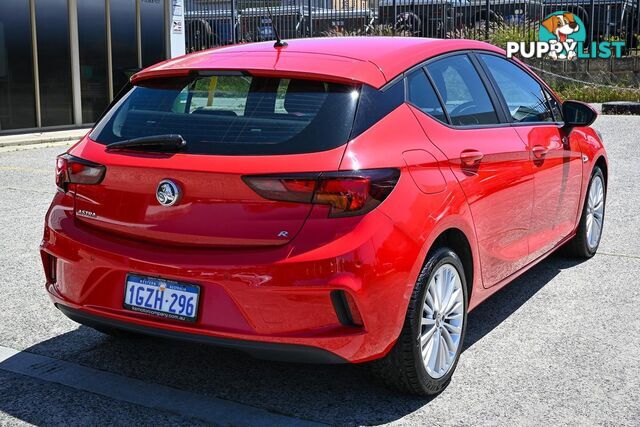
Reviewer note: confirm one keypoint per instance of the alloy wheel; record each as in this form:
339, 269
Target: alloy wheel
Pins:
595, 211
442, 321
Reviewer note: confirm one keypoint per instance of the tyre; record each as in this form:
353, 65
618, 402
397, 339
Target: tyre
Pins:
408, 22
427, 350
587, 239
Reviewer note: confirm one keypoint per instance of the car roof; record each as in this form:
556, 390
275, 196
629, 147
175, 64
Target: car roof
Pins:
370, 60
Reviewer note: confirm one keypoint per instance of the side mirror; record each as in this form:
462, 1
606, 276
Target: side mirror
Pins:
576, 113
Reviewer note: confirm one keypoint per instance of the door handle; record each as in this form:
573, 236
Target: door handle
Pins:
471, 157
539, 151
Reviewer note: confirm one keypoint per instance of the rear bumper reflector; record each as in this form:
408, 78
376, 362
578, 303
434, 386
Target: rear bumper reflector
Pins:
346, 309
49, 263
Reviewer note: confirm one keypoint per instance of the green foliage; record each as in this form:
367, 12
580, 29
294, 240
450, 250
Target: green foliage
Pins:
371, 30
499, 33
588, 93
612, 39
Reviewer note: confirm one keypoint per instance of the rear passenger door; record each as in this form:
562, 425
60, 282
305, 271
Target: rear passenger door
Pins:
555, 157
463, 118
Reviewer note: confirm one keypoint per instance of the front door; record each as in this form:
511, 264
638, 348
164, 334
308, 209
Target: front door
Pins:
556, 159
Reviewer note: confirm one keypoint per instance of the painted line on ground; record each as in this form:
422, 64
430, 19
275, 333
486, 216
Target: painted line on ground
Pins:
137, 392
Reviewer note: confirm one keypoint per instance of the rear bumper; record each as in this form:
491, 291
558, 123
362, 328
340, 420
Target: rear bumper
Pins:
276, 298
268, 351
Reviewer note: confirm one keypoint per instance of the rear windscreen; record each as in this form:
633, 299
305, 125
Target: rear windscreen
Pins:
235, 114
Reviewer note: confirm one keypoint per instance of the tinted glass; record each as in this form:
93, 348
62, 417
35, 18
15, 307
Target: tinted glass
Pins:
123, 41
375, 104
523, 94
93, 58
462, 91
236, 115
54, 62
224, 95
152, 29
421, 94
17, 100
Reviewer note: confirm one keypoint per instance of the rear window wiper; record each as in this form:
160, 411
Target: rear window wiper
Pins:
161, 143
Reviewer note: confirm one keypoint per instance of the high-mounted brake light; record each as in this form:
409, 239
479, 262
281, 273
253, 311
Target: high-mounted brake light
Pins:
348, 193
74, 170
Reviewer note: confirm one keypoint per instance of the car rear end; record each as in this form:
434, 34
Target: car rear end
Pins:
246, 234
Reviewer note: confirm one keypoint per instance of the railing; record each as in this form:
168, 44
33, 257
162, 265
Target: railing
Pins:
211, 23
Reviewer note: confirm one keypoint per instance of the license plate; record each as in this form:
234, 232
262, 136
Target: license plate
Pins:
160, 297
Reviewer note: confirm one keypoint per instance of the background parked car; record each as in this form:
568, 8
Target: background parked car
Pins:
512, 12
424, 18
257, 24
330, 21
209, 27
604, 19
206, 28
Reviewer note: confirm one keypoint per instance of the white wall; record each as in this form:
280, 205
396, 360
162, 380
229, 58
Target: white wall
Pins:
176, 28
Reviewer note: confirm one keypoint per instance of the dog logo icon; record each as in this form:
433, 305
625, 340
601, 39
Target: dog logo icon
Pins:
564, 28
563, 36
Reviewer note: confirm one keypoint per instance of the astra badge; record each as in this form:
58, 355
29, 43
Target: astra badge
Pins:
167, 193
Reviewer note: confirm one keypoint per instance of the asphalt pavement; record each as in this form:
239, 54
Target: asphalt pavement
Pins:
559, 346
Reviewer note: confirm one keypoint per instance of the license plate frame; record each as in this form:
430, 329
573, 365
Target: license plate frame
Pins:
150, 302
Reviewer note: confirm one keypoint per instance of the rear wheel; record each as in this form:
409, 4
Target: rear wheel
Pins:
587, 239
427, 351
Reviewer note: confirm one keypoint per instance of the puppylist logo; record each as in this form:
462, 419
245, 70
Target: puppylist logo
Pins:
563, 36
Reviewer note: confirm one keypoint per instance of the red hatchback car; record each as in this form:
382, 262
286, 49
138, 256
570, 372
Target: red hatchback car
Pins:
333, 200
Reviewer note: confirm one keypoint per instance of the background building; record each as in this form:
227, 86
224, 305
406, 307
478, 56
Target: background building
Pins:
62, 61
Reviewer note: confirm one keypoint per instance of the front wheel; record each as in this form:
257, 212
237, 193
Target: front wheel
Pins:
423, 359
587, 239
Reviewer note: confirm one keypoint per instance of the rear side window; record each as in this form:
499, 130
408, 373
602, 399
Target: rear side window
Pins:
235, 114
462, 91
376, 104
421, 94
524, 96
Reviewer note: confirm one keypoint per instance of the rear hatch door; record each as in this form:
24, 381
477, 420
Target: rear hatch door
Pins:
234, 125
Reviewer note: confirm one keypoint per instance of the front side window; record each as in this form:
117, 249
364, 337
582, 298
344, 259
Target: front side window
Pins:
524, 96
464, 95
235, 114
556, 108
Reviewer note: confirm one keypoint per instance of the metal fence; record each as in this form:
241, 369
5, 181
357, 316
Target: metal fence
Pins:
212, 23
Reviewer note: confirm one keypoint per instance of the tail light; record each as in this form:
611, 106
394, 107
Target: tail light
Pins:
74, 170
348, 193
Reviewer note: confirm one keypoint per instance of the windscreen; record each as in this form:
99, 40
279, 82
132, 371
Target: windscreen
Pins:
235, 114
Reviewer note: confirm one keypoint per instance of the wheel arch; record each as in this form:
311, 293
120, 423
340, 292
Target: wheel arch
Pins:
601, 162
455, 239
